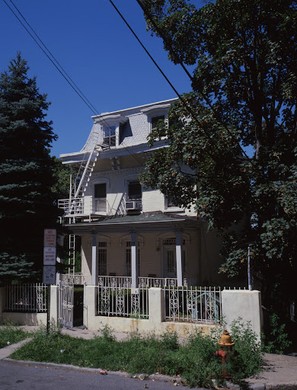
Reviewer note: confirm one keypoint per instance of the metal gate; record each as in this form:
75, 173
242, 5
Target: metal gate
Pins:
66, 304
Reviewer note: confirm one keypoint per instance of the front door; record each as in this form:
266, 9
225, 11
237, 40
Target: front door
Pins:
169, 258
169, 261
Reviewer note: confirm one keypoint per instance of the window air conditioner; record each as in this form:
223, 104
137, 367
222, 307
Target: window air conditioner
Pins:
133, 205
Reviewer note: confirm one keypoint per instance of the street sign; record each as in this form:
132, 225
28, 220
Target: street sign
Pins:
49, 274
49, 255
50, 237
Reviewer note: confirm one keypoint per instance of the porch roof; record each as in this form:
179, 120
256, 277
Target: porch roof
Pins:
147, 220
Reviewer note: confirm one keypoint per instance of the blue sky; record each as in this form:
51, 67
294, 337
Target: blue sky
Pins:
98, 52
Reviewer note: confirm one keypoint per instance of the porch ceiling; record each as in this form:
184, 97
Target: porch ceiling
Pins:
144, 221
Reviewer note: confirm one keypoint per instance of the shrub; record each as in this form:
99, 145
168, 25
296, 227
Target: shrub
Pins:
276, 339
246, 358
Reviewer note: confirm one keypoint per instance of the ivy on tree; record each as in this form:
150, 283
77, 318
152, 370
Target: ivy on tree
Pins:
232, 146
26, 174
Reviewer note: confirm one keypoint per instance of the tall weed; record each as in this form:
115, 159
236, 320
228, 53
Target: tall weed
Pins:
10, 334
194, 361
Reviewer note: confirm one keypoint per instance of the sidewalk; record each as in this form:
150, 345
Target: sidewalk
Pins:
279, 372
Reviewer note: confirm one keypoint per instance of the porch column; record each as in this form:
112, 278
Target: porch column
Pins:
94, 276
178, 251
134, 262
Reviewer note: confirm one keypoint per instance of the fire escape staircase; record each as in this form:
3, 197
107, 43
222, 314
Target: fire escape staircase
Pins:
76, 204
83, 177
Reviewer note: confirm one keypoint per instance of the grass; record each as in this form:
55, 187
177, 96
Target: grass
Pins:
194, 361
10, 334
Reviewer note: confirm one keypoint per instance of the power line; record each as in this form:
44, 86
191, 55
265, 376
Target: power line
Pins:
26, 25
180, 62
23, 21
168, 41
184, 102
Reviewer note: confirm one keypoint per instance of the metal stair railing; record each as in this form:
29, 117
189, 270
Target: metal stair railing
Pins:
87, 168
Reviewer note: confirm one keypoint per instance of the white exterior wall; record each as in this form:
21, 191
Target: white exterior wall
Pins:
243, 305
117, 184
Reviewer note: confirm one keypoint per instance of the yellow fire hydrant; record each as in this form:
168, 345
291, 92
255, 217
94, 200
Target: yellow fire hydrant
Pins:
226, 343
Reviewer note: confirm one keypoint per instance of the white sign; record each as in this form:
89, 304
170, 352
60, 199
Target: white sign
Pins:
49, 255
50, 237
49, 274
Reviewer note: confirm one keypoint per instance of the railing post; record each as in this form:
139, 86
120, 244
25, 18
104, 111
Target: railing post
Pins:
179, 268
90, 309
54, 304
94, 278
134, 262
156, 306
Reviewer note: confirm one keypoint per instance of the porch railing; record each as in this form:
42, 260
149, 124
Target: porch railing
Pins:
193, 304
122, 302
143, 282
73, 206
28, 298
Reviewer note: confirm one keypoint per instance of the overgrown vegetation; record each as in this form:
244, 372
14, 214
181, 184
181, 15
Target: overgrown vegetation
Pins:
194, 361
277, 340
10, 335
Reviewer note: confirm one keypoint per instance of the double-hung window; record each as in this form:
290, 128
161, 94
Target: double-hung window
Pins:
109, 135
134, 190
100, 198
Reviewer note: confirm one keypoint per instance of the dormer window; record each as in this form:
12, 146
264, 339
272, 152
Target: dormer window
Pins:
157, 121
159, 125
109, 137
111, 126
157, 116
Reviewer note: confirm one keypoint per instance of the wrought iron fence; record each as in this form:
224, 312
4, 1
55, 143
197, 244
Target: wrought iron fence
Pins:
26, 298
122, 302
143, 281
193, 304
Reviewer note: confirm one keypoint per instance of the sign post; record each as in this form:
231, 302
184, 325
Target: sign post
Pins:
49, 266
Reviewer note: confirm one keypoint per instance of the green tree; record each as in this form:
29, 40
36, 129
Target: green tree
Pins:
62, 177
26, 173
232, 141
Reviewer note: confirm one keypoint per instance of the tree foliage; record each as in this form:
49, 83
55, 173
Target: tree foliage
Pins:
232, 141
26, 173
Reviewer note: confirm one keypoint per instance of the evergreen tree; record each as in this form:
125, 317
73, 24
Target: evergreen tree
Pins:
232, 140
26, 174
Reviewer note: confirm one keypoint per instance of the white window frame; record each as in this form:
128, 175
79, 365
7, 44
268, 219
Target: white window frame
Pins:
99, 201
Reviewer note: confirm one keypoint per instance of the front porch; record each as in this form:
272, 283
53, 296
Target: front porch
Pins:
152, 248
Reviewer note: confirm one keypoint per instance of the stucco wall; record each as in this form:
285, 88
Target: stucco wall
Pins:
244, 305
